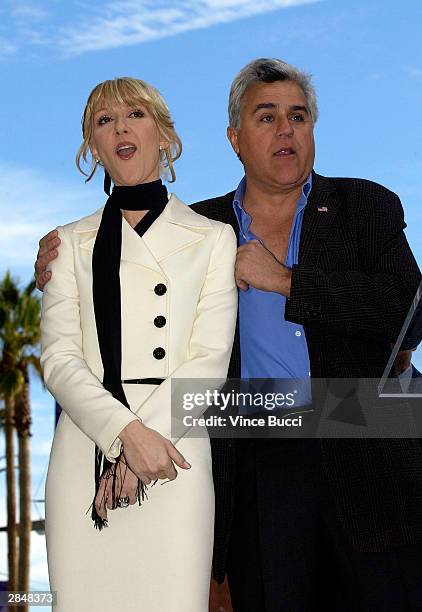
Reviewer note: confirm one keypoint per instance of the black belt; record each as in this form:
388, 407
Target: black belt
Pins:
143, 381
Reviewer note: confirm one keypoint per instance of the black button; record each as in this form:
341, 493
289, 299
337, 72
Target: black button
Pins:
160, 289
159, 353
159, 321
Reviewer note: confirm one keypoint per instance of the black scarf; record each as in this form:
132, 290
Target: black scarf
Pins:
107, 301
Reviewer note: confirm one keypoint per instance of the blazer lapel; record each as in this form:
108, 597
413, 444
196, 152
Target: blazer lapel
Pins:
87, 227
134, 250
220, 209
175, 229
319, 214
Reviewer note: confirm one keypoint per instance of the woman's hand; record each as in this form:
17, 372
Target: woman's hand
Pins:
126, 486
150, 455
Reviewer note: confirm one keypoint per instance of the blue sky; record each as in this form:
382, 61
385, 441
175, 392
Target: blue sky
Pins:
365, 58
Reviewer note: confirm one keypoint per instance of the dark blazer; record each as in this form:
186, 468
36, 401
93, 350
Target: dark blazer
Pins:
351, 290
413, 335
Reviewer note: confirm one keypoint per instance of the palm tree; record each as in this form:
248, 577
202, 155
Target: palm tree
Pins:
12, 552
19, 345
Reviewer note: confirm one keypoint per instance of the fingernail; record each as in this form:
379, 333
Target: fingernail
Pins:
187, 464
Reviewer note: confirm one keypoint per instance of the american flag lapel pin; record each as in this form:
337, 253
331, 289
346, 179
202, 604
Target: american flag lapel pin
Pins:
322, 209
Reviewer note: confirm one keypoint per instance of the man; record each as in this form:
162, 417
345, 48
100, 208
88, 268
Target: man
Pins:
326, 278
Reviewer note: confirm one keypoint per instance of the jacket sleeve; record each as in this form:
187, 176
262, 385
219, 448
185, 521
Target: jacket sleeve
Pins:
66, 374
210, 343
372, 302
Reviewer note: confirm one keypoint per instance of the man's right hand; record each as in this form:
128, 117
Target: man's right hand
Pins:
47, 252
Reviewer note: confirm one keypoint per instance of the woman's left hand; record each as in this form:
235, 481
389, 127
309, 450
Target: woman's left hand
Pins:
126, 486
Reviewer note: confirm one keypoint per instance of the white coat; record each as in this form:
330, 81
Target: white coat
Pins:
182, 269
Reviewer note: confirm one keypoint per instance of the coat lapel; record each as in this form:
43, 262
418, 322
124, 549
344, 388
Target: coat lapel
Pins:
135, 250
175, 229
319, 214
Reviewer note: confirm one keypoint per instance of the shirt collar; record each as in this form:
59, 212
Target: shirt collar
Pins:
244, 219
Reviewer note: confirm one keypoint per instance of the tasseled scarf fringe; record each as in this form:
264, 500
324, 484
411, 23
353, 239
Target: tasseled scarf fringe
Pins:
101, 467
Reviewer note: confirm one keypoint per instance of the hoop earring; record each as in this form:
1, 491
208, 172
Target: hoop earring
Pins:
170, 166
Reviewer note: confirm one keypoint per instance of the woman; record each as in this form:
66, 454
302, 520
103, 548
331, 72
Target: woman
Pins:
142, 292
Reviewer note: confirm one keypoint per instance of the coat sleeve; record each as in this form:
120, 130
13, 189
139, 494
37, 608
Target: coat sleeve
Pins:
210, 343
371, 302
66, 374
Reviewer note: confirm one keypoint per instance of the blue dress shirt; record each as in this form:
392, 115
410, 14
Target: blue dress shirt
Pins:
270, 346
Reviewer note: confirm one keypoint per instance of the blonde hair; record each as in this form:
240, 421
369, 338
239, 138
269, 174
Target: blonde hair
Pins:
132, 92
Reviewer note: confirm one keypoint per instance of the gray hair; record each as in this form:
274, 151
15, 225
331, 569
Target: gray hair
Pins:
265, 70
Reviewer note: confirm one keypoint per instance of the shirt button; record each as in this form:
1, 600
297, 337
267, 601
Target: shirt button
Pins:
160, 289
159, 321
298, 333
159, 352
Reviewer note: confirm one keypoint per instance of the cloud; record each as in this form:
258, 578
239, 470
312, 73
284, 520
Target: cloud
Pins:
7, 48
42, 448
21, 24
85, 27
30, 205
127, 22
26, 11
414, 72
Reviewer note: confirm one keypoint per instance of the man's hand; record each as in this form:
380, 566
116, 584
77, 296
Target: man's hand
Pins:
258, 267
148, 454
403, 361
47, 252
